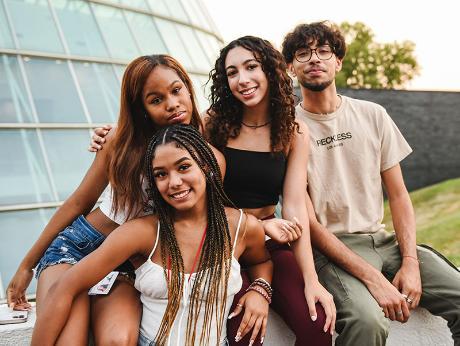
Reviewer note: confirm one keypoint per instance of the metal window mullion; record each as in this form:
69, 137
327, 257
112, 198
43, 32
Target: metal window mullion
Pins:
139, 50
39, 134
91, 9
69, 64
11, 25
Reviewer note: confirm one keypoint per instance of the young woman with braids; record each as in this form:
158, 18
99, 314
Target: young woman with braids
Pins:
191, 245
156, 92
251, 120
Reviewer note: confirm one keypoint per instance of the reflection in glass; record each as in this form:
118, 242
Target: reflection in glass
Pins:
53, 90
14, 105
146, 33
100, 88
79, 27
6, 40
20, 229
69, 160
23, 177
174, 43
34, 25
116, 32
200, 60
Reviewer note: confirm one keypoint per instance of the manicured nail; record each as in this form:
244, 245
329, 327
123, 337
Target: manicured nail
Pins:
238, 337
325, 329
231, 315
106, 132
313, 318
262, 339
251, 342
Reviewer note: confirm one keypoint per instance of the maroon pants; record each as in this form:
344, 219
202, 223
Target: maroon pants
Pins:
288, 301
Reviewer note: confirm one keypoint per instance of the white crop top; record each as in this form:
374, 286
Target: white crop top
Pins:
151, 283
107, 203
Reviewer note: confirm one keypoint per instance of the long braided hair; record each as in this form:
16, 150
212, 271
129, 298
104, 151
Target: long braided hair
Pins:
213, 270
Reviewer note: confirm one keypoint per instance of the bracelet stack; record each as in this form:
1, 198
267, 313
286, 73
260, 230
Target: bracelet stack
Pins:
262, 287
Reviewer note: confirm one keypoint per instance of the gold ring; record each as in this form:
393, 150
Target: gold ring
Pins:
240, 305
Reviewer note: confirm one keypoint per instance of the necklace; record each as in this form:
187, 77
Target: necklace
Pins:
255, 126
325, 114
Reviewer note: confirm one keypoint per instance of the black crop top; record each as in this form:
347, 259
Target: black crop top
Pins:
253, 179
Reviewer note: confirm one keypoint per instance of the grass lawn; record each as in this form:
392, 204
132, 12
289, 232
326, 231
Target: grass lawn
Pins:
437, 213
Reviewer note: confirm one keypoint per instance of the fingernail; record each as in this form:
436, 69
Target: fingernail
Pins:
313, 318
231, 315
238, 337
251, 342
262, 339
325, 329
99, 147
106, 132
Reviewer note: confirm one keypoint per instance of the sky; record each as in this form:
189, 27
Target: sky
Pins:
432, 25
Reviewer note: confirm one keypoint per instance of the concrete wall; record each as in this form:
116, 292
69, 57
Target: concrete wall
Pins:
430, 122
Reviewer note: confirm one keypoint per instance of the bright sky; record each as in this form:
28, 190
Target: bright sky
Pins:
432, 25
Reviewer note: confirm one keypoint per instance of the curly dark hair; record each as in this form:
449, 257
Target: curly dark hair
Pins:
226, 111
306, 34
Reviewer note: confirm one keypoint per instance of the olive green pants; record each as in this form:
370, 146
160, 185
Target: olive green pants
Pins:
360, 320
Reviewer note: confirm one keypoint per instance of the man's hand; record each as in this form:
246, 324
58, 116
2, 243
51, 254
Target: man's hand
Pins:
388, 297
407, 280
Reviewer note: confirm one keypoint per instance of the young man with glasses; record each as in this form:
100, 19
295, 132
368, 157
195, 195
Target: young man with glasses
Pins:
355, 147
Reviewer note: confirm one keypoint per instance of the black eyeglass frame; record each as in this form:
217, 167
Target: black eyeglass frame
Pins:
314, 50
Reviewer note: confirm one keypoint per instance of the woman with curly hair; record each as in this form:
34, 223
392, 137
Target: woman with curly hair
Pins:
252, 121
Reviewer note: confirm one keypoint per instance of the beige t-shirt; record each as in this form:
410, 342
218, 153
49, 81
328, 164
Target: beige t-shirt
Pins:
349, 148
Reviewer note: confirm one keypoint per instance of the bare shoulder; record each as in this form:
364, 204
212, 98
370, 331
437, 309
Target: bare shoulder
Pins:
143, 229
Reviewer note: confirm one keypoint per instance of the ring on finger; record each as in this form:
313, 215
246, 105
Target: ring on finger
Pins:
408, 300
399, 313
240, 305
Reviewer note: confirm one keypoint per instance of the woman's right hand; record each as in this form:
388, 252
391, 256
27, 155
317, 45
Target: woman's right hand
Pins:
283, 231
98, 138
16, 291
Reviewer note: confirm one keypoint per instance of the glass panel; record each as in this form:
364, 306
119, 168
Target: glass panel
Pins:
119, 71
208, 20
80, 28
177, 10
20, 229
159, 6
198, 86
14, 104
34, 25
210, 45
53, 91
146, 33
6, 40
195, 14
174, 42
116, 32
200, 60
100, 88
68, 158
22, 169
135, 3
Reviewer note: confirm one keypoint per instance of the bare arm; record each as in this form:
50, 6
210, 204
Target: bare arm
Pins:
407, 279
129, 239
294, 205
80, 202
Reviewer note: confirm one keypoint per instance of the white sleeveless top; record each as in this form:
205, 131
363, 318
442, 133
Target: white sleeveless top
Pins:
151, 283
107, 203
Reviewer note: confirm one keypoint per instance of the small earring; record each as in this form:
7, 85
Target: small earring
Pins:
146, 117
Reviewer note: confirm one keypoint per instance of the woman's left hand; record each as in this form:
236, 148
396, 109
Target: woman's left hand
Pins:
315, 292
255, 316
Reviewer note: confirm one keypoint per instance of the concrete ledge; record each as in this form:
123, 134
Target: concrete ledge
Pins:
422, 329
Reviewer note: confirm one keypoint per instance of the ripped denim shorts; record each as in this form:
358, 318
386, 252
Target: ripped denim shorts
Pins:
71, 245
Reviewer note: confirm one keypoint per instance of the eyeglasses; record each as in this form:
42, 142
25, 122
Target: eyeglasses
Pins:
305, 54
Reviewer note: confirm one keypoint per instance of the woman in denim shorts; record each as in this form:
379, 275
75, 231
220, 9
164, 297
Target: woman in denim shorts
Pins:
156, 92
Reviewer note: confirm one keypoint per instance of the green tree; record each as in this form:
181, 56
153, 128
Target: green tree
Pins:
369, 64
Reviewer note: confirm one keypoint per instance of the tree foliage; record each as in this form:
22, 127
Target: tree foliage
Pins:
369, 64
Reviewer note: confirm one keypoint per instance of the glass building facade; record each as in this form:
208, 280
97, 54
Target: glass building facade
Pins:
61, 64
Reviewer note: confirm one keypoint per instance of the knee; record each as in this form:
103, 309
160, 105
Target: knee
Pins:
368, 320
120, 337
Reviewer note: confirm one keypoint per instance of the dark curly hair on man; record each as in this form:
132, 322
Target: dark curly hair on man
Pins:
320, 33
226, 111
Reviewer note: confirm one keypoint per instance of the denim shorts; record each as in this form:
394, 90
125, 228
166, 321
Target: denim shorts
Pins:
72, 244
145, 341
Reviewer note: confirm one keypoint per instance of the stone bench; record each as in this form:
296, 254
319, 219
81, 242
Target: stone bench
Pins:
422, 329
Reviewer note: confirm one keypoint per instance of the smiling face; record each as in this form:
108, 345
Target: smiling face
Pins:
315, 74
166, 98
179, 179
246, 79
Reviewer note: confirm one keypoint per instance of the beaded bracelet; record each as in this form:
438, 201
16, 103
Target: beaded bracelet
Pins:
264, 284
261, 291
